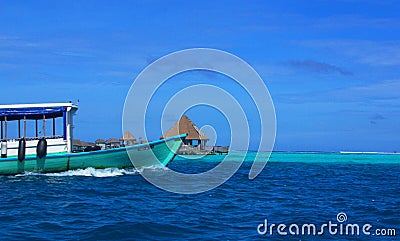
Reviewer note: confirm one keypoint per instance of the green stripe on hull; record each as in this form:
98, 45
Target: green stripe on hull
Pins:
155, 153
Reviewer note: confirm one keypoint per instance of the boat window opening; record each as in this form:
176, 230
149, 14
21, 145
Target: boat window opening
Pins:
50, 128
31, 129
23, 135
59, 127
11, 130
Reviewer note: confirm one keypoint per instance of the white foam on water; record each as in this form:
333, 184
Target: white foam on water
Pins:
152, 168
87, 172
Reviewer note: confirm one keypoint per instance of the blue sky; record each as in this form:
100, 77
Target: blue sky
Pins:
332, 67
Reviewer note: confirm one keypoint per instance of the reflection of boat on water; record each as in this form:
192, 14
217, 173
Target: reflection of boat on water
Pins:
52, 152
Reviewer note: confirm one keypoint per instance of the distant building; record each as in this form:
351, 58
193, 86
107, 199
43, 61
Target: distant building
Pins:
101, 143
195, 137
128, 139
112, 143
79, 146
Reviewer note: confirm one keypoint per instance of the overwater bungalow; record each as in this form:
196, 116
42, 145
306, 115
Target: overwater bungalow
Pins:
78, 145
112, 143
128, 139
195, 137
101, 143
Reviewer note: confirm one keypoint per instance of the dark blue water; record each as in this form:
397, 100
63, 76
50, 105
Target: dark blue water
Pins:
126, 207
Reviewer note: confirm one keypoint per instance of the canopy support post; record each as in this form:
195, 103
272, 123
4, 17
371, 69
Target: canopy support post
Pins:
19, 129
65, 125
24, 127
37, 134
4, 144
5, 128
44, 126
54, 126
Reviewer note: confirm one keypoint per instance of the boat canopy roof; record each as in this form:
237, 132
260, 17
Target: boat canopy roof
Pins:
35, 111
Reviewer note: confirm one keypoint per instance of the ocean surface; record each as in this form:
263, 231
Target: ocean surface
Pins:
293, 189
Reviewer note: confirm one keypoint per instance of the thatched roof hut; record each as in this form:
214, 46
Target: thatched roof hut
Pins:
80, 143
112, 141
76, 142
100, 141
186, 126
127, 137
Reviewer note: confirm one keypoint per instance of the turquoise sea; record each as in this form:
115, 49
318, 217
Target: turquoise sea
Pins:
293, 188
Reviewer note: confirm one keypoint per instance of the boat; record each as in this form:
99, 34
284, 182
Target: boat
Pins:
49, 147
